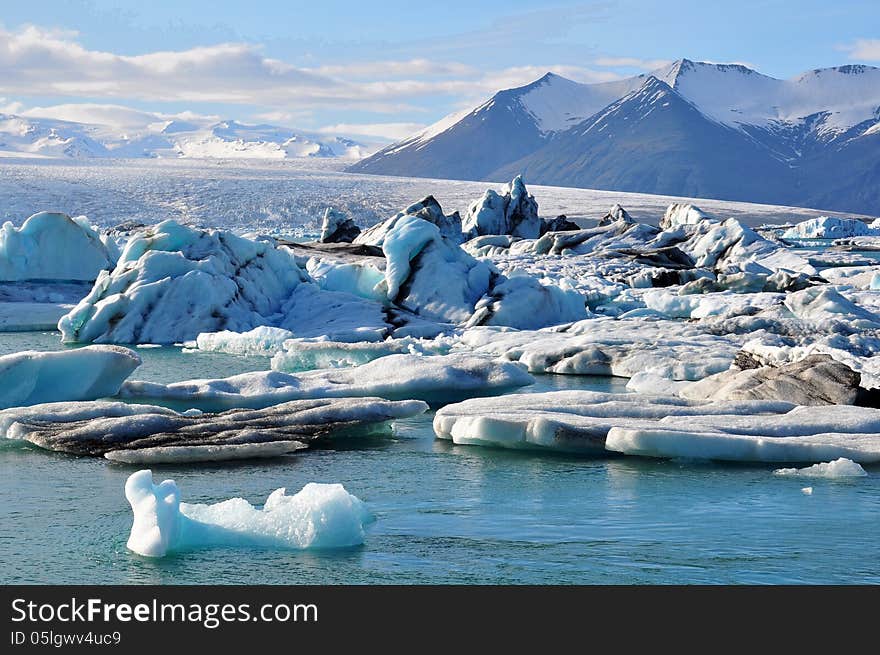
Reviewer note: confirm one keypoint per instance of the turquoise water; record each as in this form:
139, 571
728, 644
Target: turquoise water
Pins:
449, 514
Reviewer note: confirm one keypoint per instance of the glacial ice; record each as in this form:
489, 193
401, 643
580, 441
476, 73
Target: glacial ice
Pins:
433, 379
54, 246
418, 257
607, 346
319, 516
839, 468
143, 433
513, 212
804, 434
173, 282
682, 214
814, 380
336, 227
829, 227
310, 354
572, 421
262, 340
33, 377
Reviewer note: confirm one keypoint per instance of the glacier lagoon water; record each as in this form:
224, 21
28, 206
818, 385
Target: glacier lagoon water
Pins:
448, 514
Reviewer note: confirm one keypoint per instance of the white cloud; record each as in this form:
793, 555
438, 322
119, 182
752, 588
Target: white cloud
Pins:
394, 69
632, 62
392, 131
36, 61
863, 49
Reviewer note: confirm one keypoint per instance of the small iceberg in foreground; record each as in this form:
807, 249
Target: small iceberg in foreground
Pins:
319, 516
839, 468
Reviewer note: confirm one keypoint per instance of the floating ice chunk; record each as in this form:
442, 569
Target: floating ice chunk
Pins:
31, 316
310, 354
156, 526
54, 246
261, 340
605, 346
839, 468
173, 282
320, 516
513, 212
805, 434
815, 380
825, 303
337, 227
679, 213
527, 303
418, 257
213, 453
426, 209
100, 427
433, 379
570, 421
829, 227
33, 377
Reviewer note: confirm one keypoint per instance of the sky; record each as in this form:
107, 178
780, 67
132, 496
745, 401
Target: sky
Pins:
386, 69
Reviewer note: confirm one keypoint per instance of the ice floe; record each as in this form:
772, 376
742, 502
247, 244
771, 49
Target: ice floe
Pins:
814, 380
54, 246
839, 468
434, 379
829, 227
146, 433
513, 212
32, 377
572, 421
319, 516
173, 282
804, 434
336, 227
308, 354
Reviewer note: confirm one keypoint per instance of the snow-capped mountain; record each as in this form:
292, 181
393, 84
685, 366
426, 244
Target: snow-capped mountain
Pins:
508, 126
102, 131
696, 129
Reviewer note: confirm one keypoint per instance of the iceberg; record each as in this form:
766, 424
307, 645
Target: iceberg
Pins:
146, 433
336, 227
814, 380
839, 468
528, 303
32, 377
53, 246
428, 210
804, 434
829, 227
433, 379
262, 340
418, 256
571, 421
310, 354
319, 516
513, 212
679, 213
173, 282
607, 346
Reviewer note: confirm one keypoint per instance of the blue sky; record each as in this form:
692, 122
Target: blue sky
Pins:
386, 68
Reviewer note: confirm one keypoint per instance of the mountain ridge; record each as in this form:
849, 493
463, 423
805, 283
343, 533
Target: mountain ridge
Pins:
790, 141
